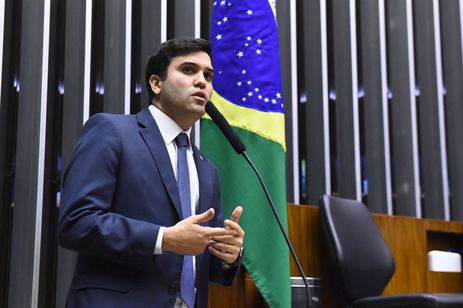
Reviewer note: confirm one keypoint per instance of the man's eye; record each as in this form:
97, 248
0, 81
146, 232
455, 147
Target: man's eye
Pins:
187, 69
208, 76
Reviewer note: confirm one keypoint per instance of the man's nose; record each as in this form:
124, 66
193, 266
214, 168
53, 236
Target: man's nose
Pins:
200, 81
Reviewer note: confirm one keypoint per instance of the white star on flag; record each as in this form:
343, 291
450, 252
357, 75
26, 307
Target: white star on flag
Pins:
258, 51
259, 41
278, 95
249, 94
240, 54
249, 12
239, 83
219, 36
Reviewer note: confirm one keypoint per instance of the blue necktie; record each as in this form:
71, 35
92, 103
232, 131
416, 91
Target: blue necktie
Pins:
187, 281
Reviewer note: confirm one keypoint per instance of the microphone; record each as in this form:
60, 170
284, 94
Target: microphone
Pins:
226, 129
240, 148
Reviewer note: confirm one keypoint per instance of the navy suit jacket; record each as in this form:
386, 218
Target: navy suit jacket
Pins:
119, 188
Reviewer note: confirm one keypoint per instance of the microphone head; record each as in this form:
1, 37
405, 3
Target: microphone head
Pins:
225, 128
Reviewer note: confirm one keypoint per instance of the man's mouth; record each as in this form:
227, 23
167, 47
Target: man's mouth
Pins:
201, 95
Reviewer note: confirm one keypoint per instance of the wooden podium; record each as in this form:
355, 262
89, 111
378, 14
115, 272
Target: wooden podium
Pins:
410, 239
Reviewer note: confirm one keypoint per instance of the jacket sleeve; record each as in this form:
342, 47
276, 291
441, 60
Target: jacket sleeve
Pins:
86, 222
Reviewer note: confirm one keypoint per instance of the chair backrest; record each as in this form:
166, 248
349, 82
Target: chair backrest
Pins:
360, 258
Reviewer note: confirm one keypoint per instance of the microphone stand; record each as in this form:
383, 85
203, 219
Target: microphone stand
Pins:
239, 148
272, 205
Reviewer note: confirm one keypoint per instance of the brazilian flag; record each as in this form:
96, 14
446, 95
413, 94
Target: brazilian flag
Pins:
247, 91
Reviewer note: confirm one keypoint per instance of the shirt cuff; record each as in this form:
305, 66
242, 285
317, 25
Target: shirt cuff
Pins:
158, 247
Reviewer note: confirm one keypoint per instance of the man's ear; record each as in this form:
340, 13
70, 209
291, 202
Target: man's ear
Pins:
155, 83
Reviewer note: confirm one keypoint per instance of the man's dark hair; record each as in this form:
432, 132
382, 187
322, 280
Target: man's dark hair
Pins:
160, 59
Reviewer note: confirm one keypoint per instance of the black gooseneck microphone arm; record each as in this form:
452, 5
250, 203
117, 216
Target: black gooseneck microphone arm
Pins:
240, 148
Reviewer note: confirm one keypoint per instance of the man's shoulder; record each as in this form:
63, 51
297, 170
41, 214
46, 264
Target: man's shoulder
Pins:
104, 124
112, 117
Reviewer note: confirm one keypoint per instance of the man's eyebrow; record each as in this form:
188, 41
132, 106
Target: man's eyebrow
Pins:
211, 70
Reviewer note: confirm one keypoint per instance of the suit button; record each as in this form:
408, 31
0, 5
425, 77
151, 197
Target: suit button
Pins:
173, 289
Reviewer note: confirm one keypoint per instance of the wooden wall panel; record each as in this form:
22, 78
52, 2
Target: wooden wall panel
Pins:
406, 241
410, 240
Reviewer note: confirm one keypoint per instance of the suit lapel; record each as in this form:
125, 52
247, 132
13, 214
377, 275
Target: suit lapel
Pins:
203, 205
203, 189
153, 139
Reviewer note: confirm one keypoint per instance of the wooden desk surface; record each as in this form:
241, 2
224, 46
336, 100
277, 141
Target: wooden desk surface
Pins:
409, 239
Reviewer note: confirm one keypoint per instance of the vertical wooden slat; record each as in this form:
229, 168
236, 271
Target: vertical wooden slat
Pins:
114, 56
294, 102
433, 167
374, 102
452, 61
27, 218
52, 156
76, 104
181, 21
197, 28
87, 59
314, 86
128, 56
283, 12
2, 27
345, 80
8, 133
147, 35
404, 143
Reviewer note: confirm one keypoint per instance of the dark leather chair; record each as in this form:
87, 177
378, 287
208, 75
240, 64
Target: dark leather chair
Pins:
361, 261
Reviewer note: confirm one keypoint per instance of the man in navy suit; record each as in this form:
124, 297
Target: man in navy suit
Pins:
121, 208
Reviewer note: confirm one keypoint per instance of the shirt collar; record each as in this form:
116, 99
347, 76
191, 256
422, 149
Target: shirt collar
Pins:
168, 128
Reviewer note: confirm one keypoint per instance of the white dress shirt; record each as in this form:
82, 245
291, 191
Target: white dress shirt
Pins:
169, 131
